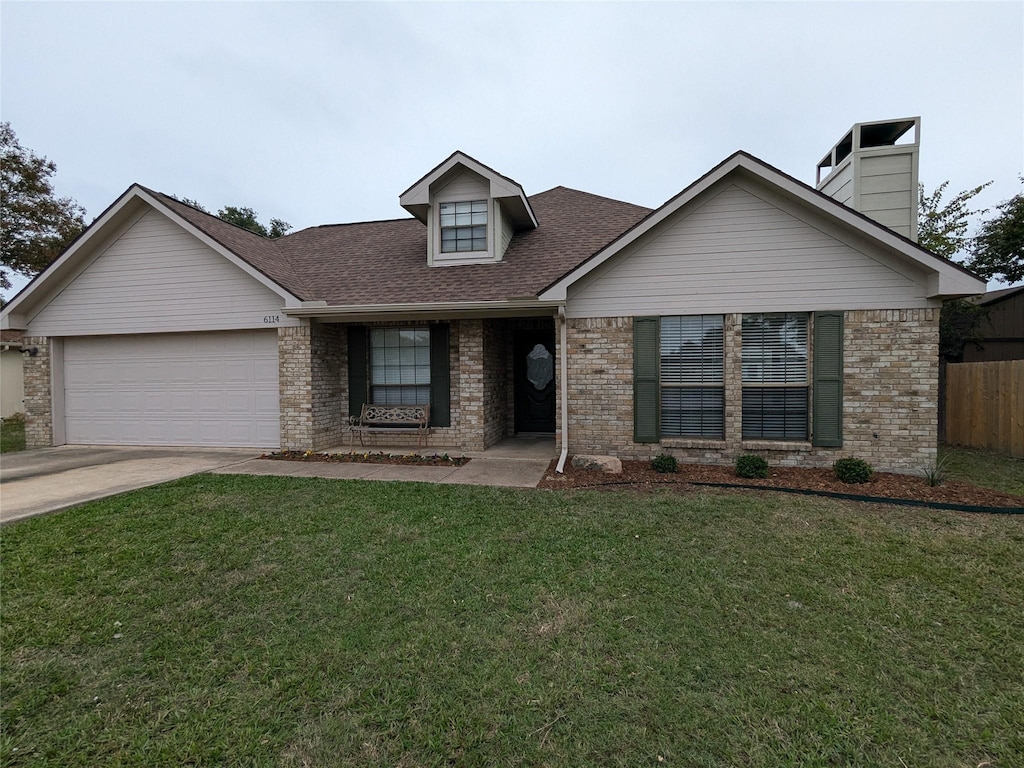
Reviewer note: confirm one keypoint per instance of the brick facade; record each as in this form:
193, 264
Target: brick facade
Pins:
329, 345
38, 397
890, 395
295, 381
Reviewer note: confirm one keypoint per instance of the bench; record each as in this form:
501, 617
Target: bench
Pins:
390, 419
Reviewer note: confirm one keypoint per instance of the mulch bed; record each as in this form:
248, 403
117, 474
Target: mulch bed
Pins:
443, 460
638, 476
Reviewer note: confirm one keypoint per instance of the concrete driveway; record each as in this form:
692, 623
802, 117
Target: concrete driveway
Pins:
48, 479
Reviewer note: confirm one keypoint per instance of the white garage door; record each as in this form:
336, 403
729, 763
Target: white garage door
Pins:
214, 389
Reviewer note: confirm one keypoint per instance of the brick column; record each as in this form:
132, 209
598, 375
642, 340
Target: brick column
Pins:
733, 372
295, 377
38, 393
471, 385
329, 382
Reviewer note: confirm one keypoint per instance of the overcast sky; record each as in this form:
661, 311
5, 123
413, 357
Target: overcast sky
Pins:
325, 112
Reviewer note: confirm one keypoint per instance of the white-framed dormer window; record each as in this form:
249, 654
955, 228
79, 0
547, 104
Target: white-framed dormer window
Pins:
464, 226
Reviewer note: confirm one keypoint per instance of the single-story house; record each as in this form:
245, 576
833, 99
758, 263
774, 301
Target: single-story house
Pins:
749, 313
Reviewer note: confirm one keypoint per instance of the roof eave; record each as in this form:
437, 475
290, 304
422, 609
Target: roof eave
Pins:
438, 310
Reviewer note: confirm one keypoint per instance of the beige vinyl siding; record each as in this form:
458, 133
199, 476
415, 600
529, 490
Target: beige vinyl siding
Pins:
736, 252
506, 230
158, 277
464, 186
840, 186
12, 382
886, 190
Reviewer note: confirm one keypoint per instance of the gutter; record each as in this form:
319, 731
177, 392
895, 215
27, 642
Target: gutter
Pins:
441, 309
563, 364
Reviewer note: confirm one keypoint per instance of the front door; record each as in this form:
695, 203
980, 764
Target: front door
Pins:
534, 373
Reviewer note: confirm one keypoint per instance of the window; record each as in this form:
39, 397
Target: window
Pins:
464, 226
775, 376
400, 366
692, 392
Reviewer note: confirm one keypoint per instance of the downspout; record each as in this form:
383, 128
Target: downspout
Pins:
563, 365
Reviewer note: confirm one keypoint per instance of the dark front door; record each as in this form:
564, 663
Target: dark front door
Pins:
534, 372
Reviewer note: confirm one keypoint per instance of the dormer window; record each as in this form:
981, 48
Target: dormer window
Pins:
464, 226
472, 212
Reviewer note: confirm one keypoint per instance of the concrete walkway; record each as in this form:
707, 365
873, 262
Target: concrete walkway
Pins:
50, 479
513, 463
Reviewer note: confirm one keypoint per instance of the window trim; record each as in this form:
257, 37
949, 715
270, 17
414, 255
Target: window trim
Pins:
701, 387
374, 349
454, 254
803, 384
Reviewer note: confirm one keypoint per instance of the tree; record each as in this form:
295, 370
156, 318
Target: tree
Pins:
942, 228
35, 225
998, 250
246, 218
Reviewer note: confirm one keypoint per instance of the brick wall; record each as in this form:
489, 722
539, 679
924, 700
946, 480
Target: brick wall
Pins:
329, 382
470, 383
295, 381
38, 399
600, 352
890, 395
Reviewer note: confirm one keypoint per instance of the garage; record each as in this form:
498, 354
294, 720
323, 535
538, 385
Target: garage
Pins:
187, 389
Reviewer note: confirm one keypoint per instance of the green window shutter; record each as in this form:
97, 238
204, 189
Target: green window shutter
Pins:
828, 380
358, 363
440, 385
646, 389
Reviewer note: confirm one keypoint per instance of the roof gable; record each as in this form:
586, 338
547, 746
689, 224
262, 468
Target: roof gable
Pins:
254, 258
417, 198
945, 278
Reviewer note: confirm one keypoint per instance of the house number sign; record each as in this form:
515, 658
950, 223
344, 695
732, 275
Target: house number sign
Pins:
271, 319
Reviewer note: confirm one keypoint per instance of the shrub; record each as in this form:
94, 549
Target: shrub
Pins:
665, 463
750, 465
851, 470
937, 473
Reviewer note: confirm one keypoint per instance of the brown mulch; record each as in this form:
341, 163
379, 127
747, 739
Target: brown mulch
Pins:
638, 476
442, 460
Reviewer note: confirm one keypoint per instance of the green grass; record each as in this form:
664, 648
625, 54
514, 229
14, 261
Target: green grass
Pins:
983, 468
12, 435
292, 622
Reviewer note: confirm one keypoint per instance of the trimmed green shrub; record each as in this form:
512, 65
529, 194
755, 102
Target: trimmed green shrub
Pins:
665, 463
851, 470
750, 465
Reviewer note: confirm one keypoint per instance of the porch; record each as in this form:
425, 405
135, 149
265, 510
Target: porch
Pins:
485, 379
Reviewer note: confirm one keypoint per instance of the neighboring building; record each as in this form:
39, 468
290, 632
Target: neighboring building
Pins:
749, 313
12, 388
1001, 333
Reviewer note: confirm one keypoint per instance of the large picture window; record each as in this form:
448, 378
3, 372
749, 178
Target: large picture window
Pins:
464, 226
775, 384
691, 375
400, 366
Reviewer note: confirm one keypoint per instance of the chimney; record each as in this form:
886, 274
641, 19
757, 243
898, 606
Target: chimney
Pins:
868, 171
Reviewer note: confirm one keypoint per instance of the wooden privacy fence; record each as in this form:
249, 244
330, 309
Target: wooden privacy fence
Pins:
985, 406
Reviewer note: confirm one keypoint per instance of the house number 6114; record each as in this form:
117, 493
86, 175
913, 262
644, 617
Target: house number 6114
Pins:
271, 319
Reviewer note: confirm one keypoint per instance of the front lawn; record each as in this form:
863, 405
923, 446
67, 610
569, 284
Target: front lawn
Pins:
985, 468
290, 621
12, 434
